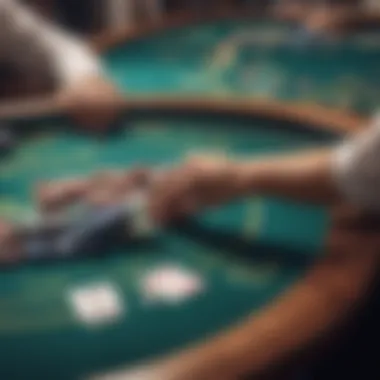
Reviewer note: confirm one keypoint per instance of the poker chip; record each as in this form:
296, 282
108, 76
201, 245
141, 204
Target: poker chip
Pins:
171, 284
96, 304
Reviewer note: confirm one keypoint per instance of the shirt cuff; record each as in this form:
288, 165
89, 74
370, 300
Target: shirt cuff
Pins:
356, 169
78, 63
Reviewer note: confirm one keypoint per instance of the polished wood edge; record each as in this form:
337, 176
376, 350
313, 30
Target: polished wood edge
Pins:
322, 118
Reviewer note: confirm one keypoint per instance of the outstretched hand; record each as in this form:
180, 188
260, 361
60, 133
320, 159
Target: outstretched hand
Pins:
198, 183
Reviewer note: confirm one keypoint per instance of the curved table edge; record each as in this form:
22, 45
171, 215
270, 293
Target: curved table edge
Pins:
326, 119
323, 118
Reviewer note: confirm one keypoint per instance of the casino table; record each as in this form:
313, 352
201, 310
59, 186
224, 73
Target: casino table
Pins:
190, 89
244, 256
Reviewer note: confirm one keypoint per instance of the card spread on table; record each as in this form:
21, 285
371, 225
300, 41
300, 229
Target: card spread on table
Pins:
96, 304
171, 284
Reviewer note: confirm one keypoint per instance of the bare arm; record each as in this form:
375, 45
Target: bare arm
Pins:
347, 173
307, 176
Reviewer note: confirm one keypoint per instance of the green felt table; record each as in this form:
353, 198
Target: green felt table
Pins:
251, 58
246, 254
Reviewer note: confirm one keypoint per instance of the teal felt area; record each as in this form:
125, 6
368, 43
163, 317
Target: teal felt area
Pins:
245, 253
258, 59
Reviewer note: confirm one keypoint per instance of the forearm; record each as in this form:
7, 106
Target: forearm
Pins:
304, 176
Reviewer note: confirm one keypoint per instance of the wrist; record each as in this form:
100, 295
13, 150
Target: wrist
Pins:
241, 178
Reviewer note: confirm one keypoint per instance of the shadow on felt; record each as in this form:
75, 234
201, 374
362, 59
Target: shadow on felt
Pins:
253, 251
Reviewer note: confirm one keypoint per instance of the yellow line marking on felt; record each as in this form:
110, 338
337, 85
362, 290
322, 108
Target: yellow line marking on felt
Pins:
225, 56
253, 225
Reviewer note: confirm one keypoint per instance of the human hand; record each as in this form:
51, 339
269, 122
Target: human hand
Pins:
93, 103
54, 196
198, 183
114, 186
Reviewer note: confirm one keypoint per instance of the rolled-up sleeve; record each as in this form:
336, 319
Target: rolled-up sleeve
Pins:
34, 44
357, 168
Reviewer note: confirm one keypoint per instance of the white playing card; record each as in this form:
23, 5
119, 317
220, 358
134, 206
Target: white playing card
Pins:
96, 304
171, 284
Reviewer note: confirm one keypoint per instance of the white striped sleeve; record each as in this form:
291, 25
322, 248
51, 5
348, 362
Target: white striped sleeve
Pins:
357, 168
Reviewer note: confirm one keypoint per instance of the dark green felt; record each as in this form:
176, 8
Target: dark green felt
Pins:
247, 253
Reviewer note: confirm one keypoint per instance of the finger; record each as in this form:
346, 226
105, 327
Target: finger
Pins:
100, 198
138, 178
159, 195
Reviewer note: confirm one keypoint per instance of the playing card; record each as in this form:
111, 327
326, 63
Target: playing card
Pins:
96, 304
171, 284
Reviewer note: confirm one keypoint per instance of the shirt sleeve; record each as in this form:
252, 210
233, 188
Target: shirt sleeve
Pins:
357, 168
38, 46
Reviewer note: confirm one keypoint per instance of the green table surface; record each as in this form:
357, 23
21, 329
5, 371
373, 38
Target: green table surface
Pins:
245, 254
258, 59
